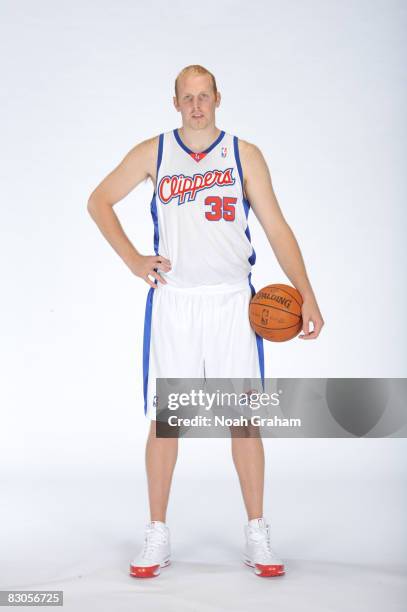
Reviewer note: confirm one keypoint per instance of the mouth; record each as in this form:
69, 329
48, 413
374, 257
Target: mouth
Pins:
197, 116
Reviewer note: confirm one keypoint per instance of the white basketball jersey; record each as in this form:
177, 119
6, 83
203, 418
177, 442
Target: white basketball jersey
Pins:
200, 214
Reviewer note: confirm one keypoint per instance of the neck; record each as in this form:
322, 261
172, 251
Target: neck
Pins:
198, 140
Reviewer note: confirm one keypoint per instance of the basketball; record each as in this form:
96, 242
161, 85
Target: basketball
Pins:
275, 313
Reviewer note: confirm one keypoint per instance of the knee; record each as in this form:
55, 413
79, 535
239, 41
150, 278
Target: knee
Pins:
160, 430
244, 431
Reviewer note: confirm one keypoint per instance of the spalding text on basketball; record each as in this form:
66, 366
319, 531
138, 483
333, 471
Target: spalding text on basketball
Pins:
276, 298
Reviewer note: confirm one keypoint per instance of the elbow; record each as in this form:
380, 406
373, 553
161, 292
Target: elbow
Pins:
97, 204
92, 206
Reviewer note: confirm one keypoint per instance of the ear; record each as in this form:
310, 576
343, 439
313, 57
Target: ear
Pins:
174, 99
218, 98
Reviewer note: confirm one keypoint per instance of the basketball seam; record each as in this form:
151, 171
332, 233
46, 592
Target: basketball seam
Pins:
275, 329
288, 293
275, 308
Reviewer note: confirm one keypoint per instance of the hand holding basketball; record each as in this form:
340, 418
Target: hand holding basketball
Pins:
311, 314
275, 312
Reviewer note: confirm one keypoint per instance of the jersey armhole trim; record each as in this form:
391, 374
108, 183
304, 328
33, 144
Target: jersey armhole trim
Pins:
246, 202
160, 152
153, 204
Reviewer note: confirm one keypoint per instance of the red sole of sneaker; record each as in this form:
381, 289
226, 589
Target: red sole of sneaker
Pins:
146, 572
267, 571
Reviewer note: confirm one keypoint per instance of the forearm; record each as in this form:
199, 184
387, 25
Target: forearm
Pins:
108, 223
288, 254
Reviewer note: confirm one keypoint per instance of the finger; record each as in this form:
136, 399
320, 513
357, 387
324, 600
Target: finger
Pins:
164, 267
162, 259
318, 324
310, 336
305, 326
318, 327
158, 277
149, 282
307, 334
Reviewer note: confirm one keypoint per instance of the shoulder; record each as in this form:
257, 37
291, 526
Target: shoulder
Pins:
248, 151
252, 160
146, 147
145, 153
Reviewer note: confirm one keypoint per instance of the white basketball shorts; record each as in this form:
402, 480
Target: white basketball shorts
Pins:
199, 332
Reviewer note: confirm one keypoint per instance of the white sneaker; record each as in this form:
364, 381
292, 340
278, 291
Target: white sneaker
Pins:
258, 553
155, 553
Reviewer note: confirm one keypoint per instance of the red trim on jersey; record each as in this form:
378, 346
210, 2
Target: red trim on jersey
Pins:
197, 156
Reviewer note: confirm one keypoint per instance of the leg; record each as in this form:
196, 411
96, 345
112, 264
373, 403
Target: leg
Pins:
248, 457
161, 456
234, 354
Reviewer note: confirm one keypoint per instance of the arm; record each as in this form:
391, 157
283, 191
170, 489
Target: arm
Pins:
136, 166
259, 191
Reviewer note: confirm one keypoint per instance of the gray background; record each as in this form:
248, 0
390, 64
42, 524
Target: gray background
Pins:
320, 88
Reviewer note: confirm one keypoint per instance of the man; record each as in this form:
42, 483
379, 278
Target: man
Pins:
196, 321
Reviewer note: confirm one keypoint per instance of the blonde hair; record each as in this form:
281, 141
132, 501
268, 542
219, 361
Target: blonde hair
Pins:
196, 69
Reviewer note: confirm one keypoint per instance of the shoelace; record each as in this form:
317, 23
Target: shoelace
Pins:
153, 539
261, 537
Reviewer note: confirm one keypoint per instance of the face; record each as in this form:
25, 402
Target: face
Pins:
196, 101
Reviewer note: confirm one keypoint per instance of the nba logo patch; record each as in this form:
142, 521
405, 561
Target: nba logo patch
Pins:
224, 151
